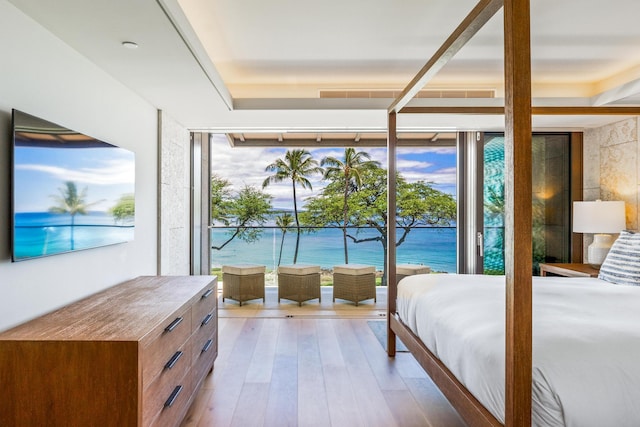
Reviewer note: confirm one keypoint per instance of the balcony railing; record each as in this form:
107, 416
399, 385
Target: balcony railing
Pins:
323, 246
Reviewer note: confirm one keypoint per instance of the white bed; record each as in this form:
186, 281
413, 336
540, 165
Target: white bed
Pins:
586, 343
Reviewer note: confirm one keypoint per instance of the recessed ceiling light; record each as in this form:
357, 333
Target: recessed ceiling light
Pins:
130, 45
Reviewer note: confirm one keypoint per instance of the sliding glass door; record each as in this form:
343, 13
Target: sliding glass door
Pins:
551, 200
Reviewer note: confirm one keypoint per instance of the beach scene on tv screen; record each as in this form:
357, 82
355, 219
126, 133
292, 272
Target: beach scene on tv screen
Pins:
70, 197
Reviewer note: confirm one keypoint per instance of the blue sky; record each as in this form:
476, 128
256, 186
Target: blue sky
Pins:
107, 173
246, 166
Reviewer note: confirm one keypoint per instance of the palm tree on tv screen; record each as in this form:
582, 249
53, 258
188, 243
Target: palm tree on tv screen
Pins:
297, 165
71, 202
349, 171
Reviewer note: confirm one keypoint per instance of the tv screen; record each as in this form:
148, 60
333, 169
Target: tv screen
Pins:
69, 191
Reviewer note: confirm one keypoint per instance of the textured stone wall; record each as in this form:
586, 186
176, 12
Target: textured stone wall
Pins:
612, 168
174, 191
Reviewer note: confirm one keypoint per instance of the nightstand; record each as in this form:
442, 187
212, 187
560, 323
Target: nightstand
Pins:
568, 270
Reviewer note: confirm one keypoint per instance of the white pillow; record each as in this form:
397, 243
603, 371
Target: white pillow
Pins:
622, 264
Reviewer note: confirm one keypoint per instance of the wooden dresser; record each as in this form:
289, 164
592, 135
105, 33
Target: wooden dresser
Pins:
132, 355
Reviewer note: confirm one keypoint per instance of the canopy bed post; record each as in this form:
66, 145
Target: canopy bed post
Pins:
392, 141
518, 246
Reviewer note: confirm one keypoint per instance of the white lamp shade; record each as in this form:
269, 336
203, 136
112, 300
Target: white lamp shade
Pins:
598, 217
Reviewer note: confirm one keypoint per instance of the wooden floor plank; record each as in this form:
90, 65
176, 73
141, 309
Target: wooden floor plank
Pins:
405, 409
282, 407
251, 407
197, 408
370, 400
340, 394
313, 408
262, 362
230, 329
435, 406
231, 376
407, 366
383, 367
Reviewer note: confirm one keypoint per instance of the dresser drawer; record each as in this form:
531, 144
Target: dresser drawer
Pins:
203, 358
204, 333
203, 364
156, 397
174, 403
207, 302
169, 338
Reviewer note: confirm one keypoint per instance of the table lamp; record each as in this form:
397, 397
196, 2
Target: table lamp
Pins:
600, 218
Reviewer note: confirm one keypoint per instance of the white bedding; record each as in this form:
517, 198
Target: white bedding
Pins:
586, 343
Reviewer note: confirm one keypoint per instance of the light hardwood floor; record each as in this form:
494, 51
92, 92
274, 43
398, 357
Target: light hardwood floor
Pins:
313, 369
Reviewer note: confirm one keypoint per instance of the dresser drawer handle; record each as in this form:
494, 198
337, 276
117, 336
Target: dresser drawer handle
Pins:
206, 319
174, 395
207, 346
173, 324
206, 294
174, 359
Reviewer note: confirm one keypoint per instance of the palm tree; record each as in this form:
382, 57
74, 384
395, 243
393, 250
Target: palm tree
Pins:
349, 171
69, 201
297, 165
283, 222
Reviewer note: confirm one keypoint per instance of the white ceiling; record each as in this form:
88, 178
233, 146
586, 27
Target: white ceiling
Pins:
196, 58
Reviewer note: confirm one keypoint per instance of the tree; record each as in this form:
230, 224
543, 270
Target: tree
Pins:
69, 201
297, 165
349, 172
417, 204
221, 199
124, 209
283, 222
244, 211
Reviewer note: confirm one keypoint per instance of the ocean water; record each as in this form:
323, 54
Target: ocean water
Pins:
434, 247
43, 233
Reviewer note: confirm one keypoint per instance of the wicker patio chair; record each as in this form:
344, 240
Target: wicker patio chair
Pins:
404, 270
299, 283
243, 282
354, 282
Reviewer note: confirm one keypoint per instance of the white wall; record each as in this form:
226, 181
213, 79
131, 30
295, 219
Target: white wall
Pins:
42, 76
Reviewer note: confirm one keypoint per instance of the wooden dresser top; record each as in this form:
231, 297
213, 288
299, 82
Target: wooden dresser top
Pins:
124, 312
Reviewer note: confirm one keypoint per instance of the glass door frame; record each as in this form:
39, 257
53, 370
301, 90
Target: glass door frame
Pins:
470, 198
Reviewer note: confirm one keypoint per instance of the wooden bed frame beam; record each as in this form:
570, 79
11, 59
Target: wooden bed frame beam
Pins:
392, 288
536, 111
475, 20
518, 223
471, 410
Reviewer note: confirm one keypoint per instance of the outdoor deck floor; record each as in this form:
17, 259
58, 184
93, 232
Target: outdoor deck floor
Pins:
310, 309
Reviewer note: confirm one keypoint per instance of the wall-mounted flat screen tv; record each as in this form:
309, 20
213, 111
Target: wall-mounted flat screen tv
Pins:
69, 191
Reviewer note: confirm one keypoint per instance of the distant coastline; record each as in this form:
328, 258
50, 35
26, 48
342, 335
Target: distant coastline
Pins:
431, 246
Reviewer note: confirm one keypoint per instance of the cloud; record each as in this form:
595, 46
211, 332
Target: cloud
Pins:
246, 166
404, 164
446, 176
110, 173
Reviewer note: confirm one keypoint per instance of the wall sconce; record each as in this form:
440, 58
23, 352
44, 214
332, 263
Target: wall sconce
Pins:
600, 218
